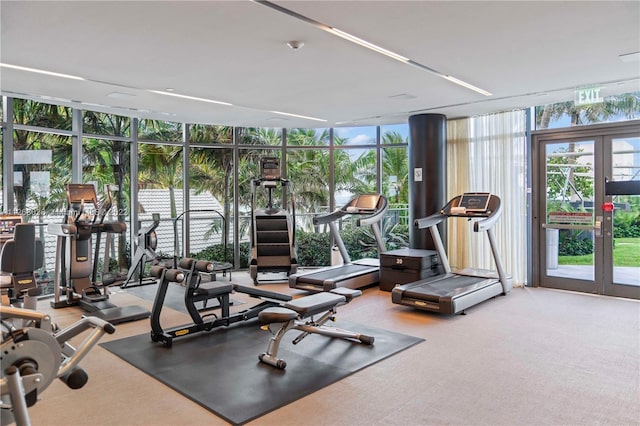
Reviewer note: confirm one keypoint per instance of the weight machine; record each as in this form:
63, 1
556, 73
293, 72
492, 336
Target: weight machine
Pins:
33, 355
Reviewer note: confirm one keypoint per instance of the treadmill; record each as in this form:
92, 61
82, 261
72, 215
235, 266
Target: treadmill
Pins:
454, 291
370, 209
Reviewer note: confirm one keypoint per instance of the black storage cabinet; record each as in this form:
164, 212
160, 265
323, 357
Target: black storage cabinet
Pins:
407, 265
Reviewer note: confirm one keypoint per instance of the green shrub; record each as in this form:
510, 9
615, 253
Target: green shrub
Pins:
626, 225
313, 248
575, 243
216, 253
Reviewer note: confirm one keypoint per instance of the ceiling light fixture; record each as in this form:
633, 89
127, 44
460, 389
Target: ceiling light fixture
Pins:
299, 116
39, 71
364, 43
193, 98
630, 57
374, 47
120, 95
465, 84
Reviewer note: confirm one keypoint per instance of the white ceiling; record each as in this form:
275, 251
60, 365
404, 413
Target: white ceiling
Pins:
523, 52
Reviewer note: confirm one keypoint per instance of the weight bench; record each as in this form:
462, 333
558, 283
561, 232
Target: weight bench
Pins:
298, 315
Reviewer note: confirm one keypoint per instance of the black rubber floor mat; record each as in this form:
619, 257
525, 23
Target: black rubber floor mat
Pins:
174, 298
220, 369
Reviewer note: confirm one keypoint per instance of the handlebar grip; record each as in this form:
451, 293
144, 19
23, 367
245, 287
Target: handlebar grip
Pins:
106, 326
76, 379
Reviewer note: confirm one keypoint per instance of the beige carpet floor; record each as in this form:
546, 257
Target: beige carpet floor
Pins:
534, 357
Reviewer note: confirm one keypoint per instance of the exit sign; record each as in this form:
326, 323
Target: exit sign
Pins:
590, 95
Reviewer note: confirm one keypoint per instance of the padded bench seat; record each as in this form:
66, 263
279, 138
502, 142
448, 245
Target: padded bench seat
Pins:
210, 290
308, 305
316, 303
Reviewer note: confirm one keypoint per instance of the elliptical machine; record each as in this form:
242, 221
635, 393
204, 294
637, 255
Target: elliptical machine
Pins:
145, 252
273, 245
75, 261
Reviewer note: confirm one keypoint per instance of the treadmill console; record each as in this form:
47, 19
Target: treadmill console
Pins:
270, 168
471, 204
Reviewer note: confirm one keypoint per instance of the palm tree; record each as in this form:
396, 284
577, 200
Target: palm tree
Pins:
106, 161
161, 167
395, 162
38, 114
308, 169
212, 168
627, 104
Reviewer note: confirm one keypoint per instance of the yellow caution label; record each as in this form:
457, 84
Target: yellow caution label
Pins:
25, 281
182, 332
419, 303
81, 258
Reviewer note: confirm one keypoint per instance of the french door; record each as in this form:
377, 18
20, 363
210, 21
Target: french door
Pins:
587, 210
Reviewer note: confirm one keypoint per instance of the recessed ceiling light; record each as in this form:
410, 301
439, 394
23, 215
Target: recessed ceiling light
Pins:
193, 98
299, 116
119, 95
39, 71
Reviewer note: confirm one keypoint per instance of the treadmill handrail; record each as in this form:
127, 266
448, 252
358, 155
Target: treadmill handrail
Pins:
490, 221
429, 221
323, 219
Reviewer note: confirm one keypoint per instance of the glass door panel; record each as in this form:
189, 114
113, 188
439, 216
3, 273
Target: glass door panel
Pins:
571, 226
623, 195
588, 214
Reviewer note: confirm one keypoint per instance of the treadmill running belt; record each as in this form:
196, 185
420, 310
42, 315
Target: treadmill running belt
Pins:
335, 273
447, 287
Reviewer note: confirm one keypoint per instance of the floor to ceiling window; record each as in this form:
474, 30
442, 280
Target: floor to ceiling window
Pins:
211, 206
325, 166
395, 183
106, 163
160, 179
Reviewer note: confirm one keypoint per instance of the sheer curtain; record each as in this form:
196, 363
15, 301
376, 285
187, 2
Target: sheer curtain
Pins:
488, 154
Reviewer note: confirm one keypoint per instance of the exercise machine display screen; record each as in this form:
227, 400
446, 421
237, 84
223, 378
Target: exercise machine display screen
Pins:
475, 201
8, 223
82, 192
270, 168
367, 203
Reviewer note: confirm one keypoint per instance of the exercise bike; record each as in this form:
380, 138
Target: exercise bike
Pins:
196, 291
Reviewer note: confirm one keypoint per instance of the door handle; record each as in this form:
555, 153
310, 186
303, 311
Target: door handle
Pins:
596, 227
